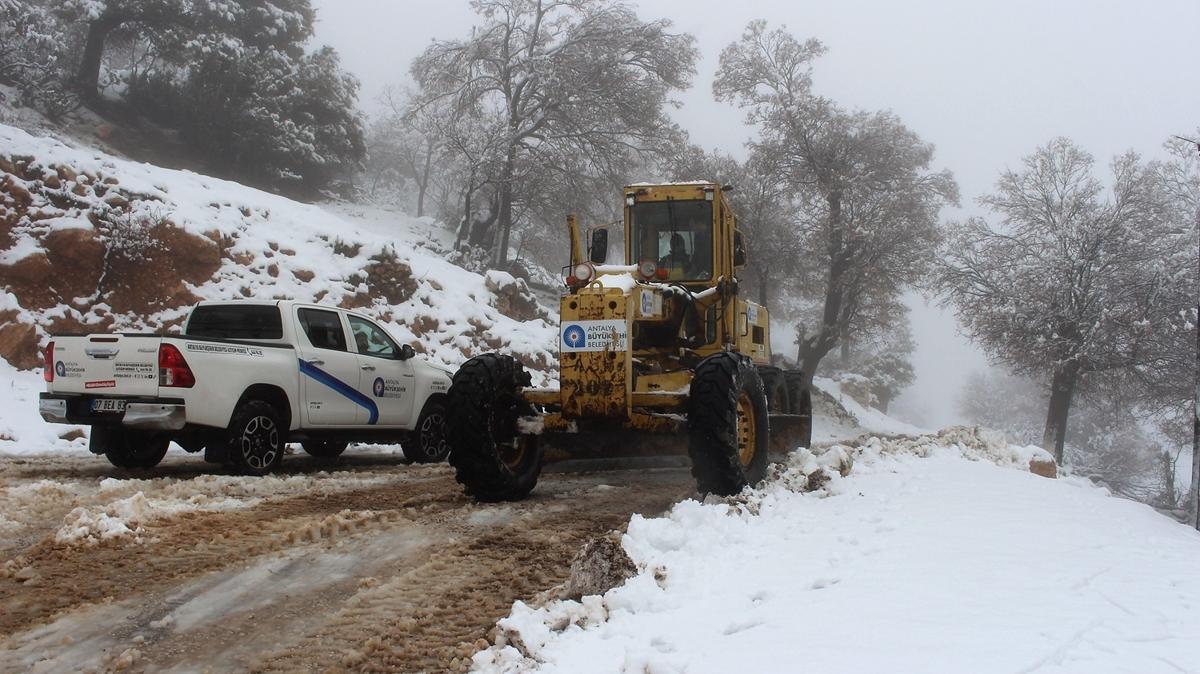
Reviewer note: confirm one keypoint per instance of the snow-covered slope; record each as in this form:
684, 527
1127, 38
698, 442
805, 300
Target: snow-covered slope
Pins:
932, 555
57, 208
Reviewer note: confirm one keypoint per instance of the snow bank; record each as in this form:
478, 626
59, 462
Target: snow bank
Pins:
21, 428
865, 418
920, 560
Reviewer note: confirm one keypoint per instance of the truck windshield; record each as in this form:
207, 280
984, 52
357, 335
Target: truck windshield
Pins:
236, 321
676, 235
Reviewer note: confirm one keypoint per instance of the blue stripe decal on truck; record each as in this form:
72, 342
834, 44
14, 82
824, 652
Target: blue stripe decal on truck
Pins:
342, 388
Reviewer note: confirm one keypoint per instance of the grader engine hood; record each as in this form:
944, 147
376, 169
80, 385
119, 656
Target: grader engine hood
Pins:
595, 369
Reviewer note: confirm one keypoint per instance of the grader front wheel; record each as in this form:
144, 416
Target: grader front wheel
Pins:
492, 460
727, 425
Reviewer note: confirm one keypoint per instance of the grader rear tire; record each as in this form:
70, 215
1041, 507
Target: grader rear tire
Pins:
492, 460
800, 397
727, 425
776, 389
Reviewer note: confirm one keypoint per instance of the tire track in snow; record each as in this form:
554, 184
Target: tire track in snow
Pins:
403, 575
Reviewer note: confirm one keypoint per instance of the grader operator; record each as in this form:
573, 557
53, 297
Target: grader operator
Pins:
658, 355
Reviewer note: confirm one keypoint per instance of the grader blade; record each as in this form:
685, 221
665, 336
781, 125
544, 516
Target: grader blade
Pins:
789, 431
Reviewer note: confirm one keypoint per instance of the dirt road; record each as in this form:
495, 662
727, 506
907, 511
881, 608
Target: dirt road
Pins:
363, 565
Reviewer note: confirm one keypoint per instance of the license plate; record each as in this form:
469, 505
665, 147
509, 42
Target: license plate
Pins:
108, 405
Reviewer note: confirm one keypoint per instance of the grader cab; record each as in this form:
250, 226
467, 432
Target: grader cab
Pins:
658, 355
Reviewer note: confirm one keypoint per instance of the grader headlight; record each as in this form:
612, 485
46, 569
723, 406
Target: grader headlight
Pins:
581, 275
647, 269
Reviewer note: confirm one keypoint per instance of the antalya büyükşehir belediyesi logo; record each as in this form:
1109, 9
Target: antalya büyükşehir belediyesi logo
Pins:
574, 337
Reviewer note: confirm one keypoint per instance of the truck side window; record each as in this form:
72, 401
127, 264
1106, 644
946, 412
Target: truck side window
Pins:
323, 328
371, 340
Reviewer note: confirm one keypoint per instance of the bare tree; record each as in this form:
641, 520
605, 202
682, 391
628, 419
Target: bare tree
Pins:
562, 84
1070, 283
870, 200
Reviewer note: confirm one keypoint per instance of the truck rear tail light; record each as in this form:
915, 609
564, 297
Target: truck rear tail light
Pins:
173, 370
48, 364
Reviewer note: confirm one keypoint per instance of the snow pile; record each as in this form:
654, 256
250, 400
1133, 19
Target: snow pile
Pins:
831, 427
127, 507
970, 442
919, 560
126, 517
20, 425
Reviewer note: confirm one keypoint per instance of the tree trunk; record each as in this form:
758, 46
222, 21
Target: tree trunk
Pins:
1196, 461
506, 198
423, 183
465, 228
1062, 390
1195, 500
88, 77
812, 350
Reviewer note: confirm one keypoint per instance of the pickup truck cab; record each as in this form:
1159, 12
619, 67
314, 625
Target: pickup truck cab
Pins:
243, 379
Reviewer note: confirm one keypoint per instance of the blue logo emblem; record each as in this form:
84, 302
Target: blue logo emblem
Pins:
574, 337
378, 387
60, 369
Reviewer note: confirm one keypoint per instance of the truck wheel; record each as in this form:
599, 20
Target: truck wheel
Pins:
128, 449
776, 390
324, 449
727, 424
492, 461
429, 441
256, 438
801, 404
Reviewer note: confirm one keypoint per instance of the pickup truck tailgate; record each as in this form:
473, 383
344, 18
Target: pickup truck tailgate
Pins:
106, 365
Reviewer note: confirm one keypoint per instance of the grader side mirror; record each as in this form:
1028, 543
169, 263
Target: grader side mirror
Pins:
739, 250
599, 246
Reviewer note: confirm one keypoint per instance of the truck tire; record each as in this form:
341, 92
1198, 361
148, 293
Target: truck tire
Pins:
492, 460
776, 389
324, 449
429, 442
727, 425
800, 397
128, 449
256, 438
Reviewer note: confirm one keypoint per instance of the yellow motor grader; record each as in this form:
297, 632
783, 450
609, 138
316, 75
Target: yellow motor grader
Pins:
658, 355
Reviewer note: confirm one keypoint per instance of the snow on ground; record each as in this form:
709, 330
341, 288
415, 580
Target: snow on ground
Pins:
274, 238
931, 555
865, 418
21, 428
98, 509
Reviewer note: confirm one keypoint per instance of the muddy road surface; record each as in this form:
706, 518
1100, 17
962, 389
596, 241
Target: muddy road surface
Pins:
361, 565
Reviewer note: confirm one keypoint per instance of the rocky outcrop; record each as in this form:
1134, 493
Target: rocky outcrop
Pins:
77, 249
513, 298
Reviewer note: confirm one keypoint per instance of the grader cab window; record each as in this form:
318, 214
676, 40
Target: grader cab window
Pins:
676, 235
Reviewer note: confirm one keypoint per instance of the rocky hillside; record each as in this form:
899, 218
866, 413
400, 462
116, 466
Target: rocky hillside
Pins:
92, 242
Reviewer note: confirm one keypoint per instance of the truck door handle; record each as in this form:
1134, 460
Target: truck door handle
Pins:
369, 368
316, 362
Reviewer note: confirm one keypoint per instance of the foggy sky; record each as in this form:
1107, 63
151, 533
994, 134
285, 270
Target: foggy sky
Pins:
986, 81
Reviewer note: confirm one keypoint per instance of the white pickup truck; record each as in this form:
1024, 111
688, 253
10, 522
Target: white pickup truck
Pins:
243, 379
